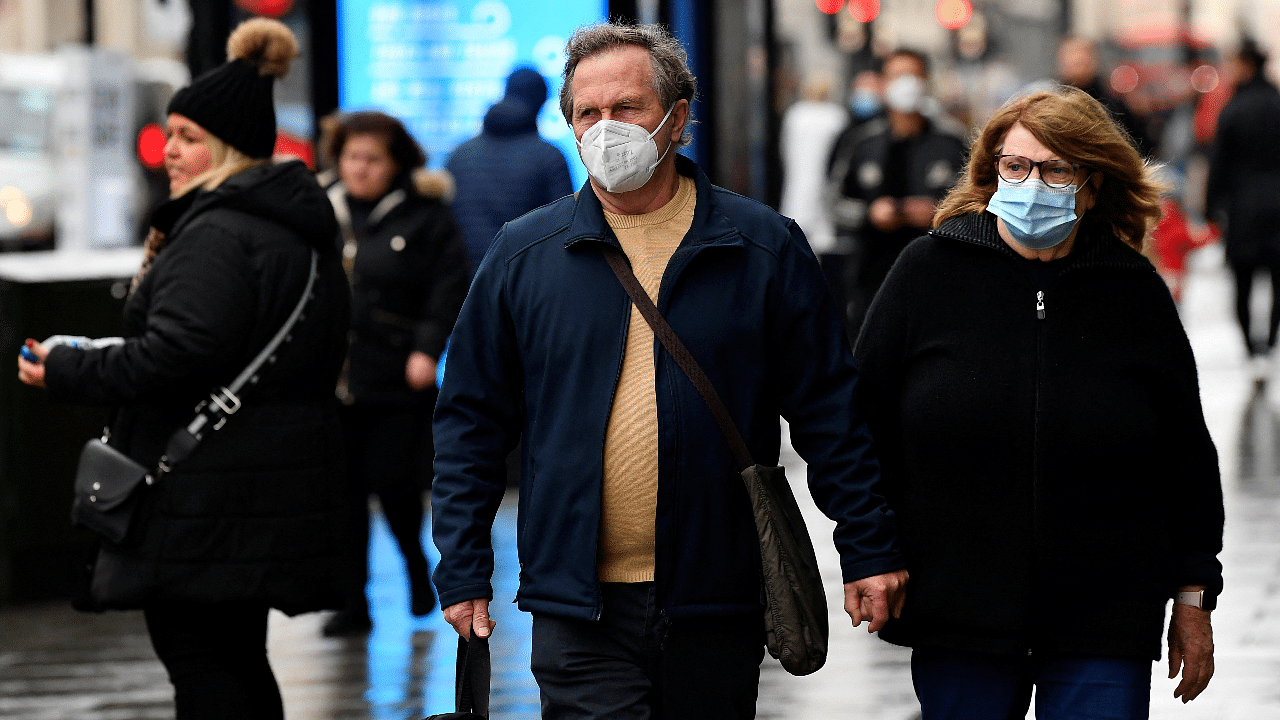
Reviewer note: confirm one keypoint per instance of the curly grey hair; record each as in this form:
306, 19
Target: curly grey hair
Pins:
672, 79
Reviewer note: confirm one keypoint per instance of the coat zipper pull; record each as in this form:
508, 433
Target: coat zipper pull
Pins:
1040, 304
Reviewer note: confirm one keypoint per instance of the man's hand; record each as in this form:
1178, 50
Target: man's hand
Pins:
1191, 648
420, 371
29, 372
875, 597
468, 614
883, 214
918, 211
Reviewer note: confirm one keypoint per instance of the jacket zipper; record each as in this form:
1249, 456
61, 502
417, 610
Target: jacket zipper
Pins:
1035, 443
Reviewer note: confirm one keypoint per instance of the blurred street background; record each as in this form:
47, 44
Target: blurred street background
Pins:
83, 88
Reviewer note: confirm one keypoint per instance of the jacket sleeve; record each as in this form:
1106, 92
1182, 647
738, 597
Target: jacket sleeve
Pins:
818, 400
1194, 490
558, 182
1221, 158
477, 423
446, 286
201, 305
880, 355
848, 206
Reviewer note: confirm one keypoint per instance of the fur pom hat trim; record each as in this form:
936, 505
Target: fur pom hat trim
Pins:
235, 102
264, 42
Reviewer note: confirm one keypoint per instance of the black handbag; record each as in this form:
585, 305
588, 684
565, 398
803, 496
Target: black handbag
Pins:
109, 485
795, 618
471, 682
106, 490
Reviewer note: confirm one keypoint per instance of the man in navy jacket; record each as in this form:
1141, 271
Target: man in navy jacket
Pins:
638, 553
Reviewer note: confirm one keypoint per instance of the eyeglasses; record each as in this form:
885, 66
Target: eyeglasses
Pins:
1054, 173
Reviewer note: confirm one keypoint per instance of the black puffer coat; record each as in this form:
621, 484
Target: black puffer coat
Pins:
1046, 455
1244, 173
409, 276
253, 513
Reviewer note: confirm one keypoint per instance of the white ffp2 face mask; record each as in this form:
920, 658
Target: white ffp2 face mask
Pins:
904, 93
621, 156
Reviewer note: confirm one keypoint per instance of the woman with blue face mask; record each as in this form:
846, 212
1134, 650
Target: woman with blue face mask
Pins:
1034, 401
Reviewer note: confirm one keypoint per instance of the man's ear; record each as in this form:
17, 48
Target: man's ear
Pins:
679, 118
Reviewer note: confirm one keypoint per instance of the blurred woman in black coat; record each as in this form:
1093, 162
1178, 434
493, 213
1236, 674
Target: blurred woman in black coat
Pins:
1243, 193
250, 520
408, 269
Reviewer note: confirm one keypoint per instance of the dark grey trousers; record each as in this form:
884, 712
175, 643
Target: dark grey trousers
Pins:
633, 664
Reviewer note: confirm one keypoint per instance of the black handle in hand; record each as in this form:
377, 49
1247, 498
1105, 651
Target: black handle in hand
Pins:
472, 684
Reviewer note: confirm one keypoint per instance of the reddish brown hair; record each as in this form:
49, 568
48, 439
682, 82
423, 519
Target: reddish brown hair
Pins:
1079, 129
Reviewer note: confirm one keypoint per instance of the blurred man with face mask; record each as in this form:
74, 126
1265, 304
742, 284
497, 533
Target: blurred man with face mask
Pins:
887, 177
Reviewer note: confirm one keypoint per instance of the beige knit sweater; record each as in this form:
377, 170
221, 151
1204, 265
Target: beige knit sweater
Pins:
629, 497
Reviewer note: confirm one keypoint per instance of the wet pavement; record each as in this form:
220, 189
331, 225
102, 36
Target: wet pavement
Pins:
57, 664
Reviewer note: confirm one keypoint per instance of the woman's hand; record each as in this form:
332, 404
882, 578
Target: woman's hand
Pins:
32, 373
420, 371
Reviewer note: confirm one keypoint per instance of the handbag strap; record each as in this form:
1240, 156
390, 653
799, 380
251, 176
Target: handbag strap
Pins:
225, 401
667, 336
471, 684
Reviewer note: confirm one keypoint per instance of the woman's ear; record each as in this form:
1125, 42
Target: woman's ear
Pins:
1088, 195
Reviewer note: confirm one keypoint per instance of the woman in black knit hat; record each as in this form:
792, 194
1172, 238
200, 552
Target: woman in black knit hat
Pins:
251, 519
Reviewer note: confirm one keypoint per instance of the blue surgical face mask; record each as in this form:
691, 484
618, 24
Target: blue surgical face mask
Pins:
864, 103
1036, 215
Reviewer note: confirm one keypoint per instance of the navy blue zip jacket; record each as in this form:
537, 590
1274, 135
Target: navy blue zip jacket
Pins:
537, 351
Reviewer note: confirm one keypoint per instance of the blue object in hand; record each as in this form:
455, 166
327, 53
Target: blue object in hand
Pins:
27, 355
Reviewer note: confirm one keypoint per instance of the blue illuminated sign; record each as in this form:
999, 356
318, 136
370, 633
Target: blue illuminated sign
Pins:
438, 65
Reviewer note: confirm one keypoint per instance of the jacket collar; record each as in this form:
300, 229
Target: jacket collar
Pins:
286, 193
709, 227
1104, 251
337, 193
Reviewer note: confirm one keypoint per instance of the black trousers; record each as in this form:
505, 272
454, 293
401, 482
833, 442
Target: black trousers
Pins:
633, 664
387, 449
216, 656
1244, 272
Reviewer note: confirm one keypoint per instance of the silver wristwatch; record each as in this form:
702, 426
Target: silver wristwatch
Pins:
1197, 599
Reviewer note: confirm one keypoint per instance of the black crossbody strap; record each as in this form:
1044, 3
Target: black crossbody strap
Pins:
225, 401
667, 336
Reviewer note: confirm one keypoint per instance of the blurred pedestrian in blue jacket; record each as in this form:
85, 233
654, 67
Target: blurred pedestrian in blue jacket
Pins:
507, 170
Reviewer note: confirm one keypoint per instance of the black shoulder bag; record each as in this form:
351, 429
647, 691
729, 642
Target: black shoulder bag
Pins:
109, 484
795, 617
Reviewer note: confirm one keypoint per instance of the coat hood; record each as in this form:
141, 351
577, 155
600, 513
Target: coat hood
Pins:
286, 193
510, 116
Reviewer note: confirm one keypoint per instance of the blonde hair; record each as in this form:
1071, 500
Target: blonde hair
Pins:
1078, 129
225, 162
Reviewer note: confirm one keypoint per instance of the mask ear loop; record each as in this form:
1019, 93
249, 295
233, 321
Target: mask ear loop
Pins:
655, 132
1083, 183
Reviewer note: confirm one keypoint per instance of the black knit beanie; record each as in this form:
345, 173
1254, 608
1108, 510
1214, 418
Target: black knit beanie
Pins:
236, 102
